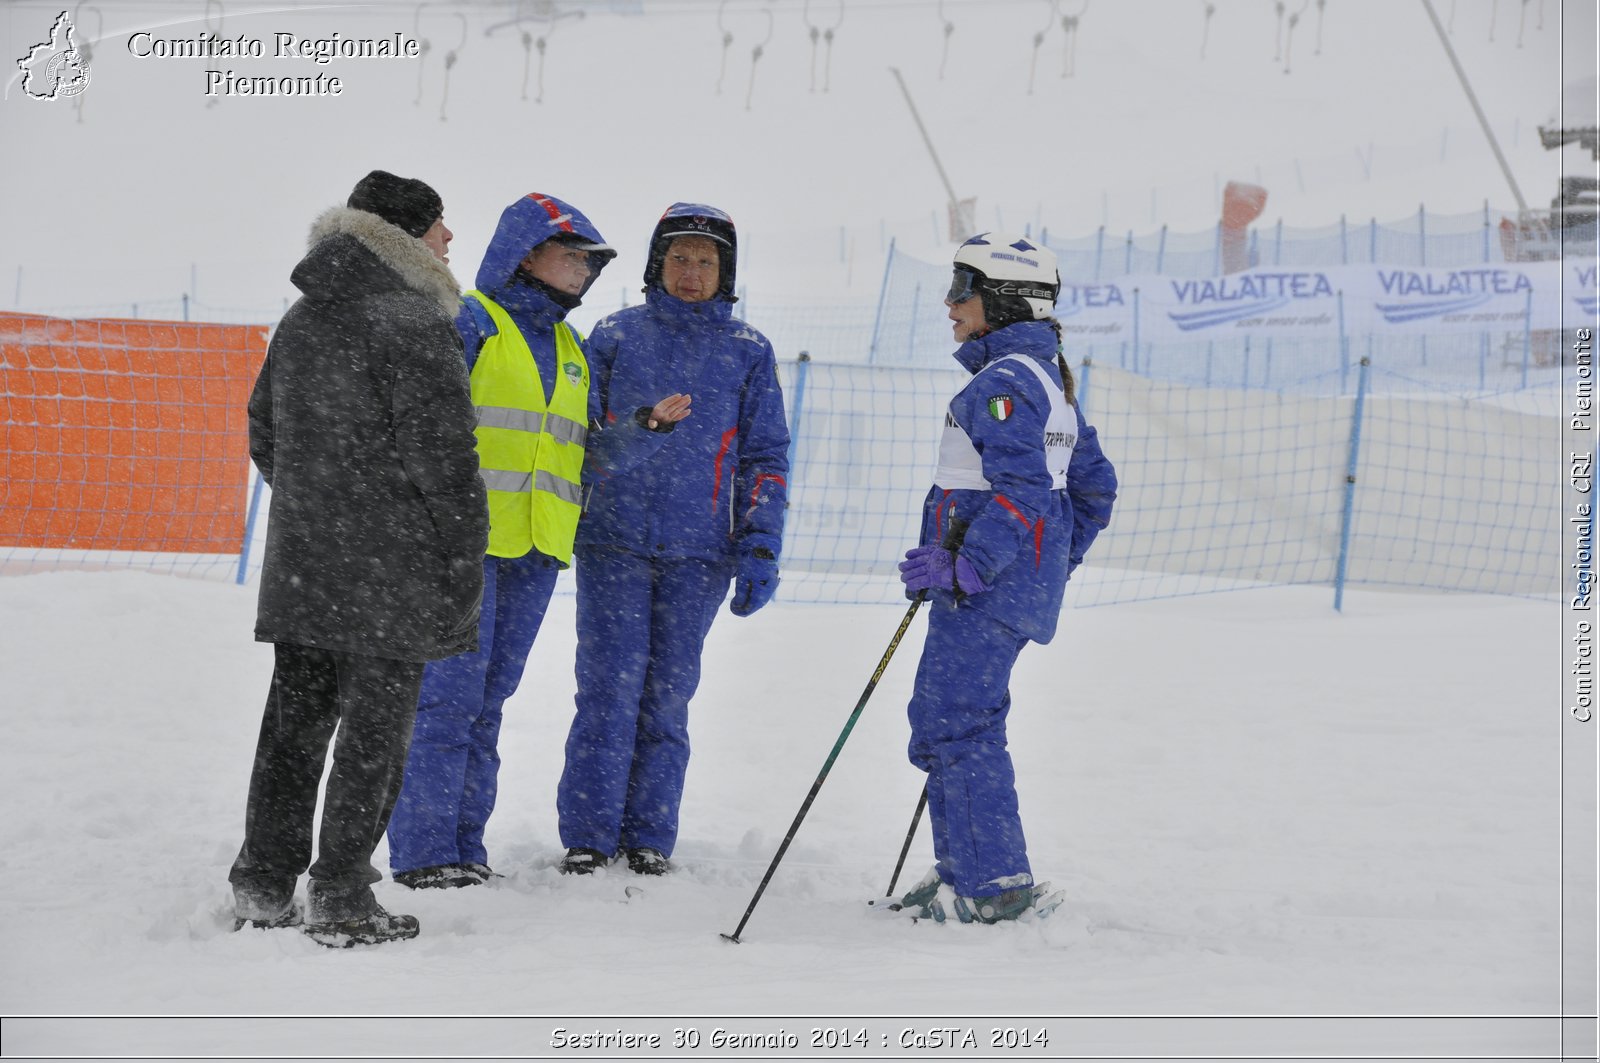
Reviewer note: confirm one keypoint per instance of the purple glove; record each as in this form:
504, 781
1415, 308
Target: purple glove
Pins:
935, 568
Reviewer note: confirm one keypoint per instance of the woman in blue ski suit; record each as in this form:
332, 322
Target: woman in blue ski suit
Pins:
541, 260
1020, 493
666, 526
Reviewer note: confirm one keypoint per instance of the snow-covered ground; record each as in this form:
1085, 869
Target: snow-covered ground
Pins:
1256, 807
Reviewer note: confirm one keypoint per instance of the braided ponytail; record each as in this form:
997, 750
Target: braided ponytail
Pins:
1069, 386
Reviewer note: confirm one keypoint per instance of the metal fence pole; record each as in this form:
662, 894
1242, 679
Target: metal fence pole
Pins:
1350, 487
883, 294
249, 532
797, 408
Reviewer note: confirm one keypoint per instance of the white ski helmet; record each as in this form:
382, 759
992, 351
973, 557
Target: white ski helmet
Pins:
1015, 277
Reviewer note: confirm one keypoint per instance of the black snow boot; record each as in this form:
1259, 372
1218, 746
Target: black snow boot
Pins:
439, 877
374, 928
647, 861
581, 861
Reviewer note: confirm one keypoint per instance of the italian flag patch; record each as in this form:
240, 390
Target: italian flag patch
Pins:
1000, 407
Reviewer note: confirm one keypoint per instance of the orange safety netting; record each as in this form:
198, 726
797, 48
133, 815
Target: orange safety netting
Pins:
124, 434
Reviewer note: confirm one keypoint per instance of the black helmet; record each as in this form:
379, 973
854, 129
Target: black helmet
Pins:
694, 219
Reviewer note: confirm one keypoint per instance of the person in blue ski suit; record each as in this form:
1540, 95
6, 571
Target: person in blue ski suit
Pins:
542, 258
664, 531
1021, 491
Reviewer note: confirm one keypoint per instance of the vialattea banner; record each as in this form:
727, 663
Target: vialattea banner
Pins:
1306, 303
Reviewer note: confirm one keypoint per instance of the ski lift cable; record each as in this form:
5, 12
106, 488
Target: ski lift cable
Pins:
949, 28
1288, 41
827, 49
1038, 39
424, 45
222, 15
1069, 48
755, 57
450, 61
86, 46
727, 40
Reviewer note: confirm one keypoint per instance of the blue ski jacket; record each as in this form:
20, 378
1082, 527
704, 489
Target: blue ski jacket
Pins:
1024, 538
524, 225
718, 481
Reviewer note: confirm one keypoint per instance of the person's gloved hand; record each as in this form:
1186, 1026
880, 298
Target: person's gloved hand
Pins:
756, 582
935, 568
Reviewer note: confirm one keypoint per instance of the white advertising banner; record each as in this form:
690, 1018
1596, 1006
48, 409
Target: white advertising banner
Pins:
1311, 303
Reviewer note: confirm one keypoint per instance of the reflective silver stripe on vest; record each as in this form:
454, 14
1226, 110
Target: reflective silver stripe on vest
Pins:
526, 483
562, 429
565, 490
505, 480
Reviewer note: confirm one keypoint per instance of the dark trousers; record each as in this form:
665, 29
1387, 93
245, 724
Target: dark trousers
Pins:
372, 702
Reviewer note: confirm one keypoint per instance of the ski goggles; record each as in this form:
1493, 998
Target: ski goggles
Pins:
963, 285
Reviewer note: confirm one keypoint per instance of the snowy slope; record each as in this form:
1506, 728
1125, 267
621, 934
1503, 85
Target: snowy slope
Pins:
1255, 805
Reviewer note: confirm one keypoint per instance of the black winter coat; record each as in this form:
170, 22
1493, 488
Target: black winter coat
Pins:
362, 423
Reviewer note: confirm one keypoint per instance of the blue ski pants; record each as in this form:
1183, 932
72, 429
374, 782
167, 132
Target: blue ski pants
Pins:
453, 768
642, 623
958, 736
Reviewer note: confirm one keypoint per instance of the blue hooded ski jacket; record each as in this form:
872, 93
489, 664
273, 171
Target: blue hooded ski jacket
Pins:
1024, 538
524, 225
717, 483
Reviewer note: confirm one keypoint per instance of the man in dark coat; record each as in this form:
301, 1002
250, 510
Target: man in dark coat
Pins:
362, 423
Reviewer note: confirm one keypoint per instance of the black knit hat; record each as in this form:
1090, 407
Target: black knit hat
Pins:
401, 201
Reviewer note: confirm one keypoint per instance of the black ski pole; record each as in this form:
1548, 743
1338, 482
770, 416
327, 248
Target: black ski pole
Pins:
916, 817
828, 764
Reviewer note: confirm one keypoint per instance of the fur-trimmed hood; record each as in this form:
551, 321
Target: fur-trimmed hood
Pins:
324, 271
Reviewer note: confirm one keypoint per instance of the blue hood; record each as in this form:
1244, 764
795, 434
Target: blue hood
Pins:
524, 225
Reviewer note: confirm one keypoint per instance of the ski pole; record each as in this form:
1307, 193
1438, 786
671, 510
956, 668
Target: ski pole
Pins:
828, 764
916, 817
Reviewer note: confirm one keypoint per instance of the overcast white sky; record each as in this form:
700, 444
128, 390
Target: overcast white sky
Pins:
143, 184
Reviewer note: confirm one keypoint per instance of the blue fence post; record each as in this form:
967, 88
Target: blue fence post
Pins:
1348, 518
1208, 362
1099, 248
1216, 252
1266, 373
1486, 231
1344, 242
1422, 232
916, 311
186, 306
1527, 335
796, 408
1277, 248
1372, 238
1483, 358
1081, 391
249, 532
1344, 347
1244, 369
1127, 254
883, 294
1161, 249
1136, 330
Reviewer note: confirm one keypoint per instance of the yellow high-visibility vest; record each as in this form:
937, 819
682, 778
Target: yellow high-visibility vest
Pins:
530, 453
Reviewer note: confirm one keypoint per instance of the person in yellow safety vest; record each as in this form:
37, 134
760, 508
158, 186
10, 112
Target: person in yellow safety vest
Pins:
530, 384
